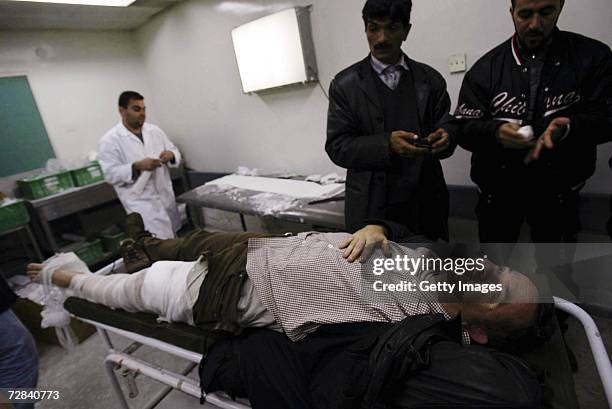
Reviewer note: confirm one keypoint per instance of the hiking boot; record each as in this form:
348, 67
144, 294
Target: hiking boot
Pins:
135, 258
134, 227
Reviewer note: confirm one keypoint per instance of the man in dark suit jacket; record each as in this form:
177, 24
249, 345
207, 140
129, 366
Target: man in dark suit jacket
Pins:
388, 123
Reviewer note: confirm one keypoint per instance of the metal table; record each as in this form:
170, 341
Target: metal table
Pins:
69, 202
328, 213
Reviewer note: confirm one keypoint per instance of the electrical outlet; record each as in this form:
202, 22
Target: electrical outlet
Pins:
456, 63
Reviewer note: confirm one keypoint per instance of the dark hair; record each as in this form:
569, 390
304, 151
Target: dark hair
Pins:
518, 337
126, 96
395, 10
514, 2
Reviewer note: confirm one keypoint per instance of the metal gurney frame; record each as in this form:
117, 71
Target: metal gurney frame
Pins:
116, 359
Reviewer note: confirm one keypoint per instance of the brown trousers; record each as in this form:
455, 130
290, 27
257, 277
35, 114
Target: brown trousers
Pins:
215, 310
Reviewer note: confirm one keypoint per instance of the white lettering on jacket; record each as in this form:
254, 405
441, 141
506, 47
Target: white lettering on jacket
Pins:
463, 111
504, 104
560, 102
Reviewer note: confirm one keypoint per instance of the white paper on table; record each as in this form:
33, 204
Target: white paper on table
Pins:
295, 188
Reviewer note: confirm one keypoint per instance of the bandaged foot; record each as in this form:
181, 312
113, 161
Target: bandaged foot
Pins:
115, 291
57, 270
59, 277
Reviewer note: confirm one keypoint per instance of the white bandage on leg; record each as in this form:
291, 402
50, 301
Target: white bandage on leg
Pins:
165, 291
161, 289
120, 291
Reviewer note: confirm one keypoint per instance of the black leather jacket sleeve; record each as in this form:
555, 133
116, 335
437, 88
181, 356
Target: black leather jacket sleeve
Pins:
595, 122
399, 233
442, 117
395, 231
347, 145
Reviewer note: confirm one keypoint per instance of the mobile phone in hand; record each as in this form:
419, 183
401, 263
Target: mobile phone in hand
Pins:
422, 143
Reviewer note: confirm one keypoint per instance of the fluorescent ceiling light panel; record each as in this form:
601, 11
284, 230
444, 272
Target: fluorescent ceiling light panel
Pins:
109, 3
269, 52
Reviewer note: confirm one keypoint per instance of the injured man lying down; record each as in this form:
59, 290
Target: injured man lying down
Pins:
295, 285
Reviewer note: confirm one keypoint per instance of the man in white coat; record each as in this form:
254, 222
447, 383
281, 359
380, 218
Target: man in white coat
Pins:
135, 157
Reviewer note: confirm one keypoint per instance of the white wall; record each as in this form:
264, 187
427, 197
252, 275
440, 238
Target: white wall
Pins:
190, 62
191, 67
75, 77
183, 63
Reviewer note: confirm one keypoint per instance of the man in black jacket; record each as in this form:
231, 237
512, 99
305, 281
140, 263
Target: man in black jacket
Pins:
388, 124
559, 84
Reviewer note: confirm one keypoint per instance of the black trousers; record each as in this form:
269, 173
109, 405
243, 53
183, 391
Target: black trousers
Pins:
275, 373
553, 218
323, 372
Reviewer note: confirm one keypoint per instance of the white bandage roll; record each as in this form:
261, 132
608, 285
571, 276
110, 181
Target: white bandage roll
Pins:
526, 132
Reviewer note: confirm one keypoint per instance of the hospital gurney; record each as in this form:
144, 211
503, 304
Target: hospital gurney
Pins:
180, 340
184, 341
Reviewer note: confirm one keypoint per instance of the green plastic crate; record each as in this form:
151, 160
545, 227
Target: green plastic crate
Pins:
13, 215
87, 175
89, 252
45, 185
112, 242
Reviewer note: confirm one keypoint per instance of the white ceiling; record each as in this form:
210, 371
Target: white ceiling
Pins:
33, 15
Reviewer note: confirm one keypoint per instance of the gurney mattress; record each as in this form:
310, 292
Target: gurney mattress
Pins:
178, 334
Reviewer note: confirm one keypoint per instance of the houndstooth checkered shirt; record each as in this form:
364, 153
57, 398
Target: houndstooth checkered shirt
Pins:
305, 282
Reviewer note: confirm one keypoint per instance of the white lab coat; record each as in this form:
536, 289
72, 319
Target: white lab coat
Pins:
151, 194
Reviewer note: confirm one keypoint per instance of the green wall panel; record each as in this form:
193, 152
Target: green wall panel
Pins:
24, 144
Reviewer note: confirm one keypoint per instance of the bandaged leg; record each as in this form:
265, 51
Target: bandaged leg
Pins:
168, 289
119, 291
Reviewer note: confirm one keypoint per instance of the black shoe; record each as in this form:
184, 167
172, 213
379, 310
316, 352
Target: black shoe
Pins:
134, 227
135, 258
